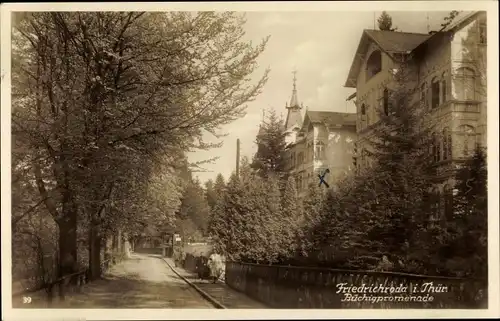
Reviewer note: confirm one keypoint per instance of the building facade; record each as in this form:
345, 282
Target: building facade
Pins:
322, 140
449, 69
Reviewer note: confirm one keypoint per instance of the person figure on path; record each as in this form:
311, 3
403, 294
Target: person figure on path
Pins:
216, 266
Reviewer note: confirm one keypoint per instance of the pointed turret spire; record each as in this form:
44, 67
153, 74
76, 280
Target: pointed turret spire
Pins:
294, 102
294, 116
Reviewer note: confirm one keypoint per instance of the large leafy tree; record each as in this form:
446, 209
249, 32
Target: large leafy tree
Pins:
98, 97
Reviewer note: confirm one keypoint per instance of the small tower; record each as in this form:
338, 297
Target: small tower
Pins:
294, 116
293, 121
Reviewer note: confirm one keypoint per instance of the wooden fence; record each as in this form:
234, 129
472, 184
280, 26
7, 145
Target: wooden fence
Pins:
291, 287
58, 289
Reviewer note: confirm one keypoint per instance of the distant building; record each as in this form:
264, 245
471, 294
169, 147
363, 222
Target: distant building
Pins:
322, 140
450, 80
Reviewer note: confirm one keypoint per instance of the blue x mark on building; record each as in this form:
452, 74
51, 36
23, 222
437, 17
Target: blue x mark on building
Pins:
322, 178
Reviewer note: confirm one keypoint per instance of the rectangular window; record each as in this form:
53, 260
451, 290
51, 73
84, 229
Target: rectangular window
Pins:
435, 94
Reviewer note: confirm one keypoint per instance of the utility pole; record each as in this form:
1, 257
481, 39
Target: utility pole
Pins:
428, 26
237, 157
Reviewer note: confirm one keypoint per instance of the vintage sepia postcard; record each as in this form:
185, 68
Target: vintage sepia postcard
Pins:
288, 159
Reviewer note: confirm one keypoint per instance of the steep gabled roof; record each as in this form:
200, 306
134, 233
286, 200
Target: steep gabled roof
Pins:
330, 118
293, 117
390, 42
462, 19
393, 42
397, 42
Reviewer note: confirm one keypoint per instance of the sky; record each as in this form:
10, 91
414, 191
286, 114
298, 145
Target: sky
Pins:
320, 46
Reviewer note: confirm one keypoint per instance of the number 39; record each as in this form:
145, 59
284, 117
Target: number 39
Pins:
26, 299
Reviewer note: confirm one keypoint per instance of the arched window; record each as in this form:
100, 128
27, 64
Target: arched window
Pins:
363, 109
423, 94
446, 144
386, 101
467, 136
465, 84
448, 201
373, 64
434, 92
443, 88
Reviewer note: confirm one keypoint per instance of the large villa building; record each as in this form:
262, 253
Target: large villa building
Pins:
449, 68
318, 141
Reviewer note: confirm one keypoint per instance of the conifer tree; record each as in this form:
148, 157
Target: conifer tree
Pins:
399, 148
292, 220
270, 156
313, 210
385, 22
467, 251
194, 206
254, 216
272, 219
210, 194
217, 225
233, 205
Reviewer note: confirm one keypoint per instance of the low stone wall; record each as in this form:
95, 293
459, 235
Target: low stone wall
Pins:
289, 287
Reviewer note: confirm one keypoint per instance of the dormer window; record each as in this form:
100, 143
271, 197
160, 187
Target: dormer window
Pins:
373, 64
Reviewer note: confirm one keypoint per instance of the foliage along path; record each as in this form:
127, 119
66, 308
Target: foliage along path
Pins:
142, 281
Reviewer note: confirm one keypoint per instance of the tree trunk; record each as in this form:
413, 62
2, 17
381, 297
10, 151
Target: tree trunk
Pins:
95, 240
109, 244
114, 245
126, 245
67, 244
119, 241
